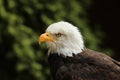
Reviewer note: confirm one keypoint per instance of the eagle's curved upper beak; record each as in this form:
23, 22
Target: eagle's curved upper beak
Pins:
46, 37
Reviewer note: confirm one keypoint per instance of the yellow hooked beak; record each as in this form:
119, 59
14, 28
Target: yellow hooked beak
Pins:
46, 37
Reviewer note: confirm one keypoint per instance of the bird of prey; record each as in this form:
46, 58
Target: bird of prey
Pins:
69, 59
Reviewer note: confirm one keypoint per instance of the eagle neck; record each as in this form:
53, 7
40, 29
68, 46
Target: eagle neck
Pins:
55, 62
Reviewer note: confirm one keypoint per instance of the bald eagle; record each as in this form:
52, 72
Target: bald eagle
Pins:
69, 59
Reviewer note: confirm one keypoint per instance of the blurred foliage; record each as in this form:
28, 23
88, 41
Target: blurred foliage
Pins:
21, 22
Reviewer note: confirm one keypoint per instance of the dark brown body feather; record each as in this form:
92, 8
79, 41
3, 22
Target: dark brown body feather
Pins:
87, 65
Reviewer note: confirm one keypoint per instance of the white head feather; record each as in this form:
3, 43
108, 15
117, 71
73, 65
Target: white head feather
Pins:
70, 42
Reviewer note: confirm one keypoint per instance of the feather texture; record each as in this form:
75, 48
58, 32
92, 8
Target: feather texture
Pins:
87, 65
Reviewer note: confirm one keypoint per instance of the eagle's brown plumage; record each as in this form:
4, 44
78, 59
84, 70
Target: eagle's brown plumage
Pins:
87, 65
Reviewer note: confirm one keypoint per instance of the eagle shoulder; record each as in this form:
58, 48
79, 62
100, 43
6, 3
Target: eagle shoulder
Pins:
88, 65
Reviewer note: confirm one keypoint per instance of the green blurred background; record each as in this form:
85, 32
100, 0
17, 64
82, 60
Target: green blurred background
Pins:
22, 21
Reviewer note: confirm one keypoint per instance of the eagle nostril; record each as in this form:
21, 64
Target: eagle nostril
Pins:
47, 34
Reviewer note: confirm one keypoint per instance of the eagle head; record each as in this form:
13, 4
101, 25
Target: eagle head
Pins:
62, 38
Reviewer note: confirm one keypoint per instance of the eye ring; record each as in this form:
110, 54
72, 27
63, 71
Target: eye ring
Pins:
58, 35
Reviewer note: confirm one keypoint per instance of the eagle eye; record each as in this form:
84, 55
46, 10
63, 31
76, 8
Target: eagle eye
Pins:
58, 35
